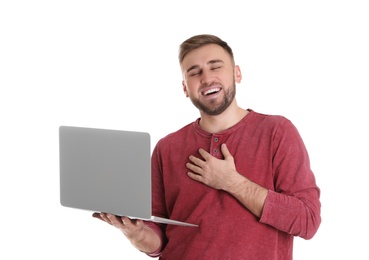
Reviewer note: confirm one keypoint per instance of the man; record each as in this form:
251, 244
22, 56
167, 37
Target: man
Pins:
242, 176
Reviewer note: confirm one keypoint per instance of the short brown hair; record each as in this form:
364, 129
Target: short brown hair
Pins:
200, 40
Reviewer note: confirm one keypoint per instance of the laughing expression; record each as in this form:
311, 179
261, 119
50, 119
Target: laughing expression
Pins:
209, 78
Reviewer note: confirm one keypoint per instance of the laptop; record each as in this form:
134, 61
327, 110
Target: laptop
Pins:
104, 170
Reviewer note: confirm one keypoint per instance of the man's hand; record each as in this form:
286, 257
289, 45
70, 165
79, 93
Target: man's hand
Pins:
140, 235
216, 173
131, 228
222, 174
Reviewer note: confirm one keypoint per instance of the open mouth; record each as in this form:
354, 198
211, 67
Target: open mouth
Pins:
210, 91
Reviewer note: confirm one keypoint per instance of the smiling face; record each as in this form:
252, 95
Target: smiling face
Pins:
209, 78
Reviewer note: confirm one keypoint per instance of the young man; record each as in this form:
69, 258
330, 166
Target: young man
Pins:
242, 176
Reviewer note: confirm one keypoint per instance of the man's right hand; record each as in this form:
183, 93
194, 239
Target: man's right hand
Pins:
133, 229
140, 235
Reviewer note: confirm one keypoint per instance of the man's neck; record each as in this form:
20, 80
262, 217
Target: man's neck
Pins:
219, 123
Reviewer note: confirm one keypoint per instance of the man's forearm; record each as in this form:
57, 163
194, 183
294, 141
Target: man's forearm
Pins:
251, 195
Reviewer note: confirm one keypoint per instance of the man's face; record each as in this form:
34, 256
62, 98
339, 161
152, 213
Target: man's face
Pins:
209, 78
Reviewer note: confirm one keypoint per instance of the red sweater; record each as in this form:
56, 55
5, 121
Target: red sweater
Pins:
269, 151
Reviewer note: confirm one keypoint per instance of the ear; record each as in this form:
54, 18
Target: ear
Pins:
237, 74
184, 88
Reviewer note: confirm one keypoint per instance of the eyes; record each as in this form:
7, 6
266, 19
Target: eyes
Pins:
198, 71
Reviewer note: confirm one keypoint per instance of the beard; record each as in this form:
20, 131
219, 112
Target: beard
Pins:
214, 107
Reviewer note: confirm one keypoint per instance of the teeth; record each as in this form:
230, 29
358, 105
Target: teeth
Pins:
210, 91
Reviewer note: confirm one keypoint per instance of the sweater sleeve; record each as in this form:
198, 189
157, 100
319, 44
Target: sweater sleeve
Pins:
158, 229
293, 206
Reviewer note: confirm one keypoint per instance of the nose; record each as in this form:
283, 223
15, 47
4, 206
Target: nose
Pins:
206, 77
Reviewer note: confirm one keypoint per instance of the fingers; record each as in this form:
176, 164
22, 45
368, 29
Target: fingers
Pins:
207, 155
197, 165
102, 216
196, 161
195, 176
193, 168
108, 218
209, 169
122, 223
127, 222
204, 154
97, 215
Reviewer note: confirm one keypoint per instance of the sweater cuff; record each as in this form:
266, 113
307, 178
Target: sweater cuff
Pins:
267, 209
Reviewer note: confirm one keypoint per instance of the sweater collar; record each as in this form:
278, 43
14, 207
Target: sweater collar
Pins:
227, 131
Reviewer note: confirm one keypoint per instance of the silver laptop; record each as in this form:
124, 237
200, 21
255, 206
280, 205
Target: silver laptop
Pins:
108, 171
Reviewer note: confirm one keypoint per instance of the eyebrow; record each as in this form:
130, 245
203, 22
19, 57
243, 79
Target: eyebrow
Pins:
209, 63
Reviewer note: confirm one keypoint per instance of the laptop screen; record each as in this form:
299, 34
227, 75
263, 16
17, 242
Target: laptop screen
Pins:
105, 170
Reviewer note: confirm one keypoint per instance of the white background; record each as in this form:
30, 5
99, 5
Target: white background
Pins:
113, 64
